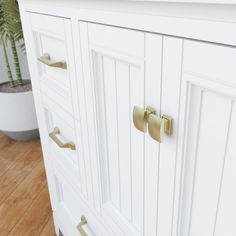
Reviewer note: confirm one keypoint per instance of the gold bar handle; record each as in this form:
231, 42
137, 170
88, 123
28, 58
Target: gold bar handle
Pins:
46, 59
83, 222
53, 136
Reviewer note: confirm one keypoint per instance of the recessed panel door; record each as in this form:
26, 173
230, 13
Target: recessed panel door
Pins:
122, 69
204, 178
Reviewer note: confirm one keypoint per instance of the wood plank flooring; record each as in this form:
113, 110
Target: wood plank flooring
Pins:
24, 200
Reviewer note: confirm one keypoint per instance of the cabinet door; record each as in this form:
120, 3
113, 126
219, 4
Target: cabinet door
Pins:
122, 68
204, 172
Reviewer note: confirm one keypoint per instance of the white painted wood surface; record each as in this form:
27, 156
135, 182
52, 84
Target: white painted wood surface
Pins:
153, 73
208, 22
172, 56
117, 77
124, 182
191, 1
209, 99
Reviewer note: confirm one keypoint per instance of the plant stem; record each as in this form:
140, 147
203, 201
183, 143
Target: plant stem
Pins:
9, 74
16, 61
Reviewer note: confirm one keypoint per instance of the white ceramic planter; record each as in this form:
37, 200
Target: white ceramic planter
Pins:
17, 115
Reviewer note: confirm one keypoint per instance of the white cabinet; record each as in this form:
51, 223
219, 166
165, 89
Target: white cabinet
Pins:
121, 179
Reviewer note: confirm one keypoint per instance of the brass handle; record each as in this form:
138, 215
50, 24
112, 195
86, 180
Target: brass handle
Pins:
83, 222
46, 59
140, 117
158, 126
53, 136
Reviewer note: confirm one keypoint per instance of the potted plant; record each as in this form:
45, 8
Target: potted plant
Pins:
17, 111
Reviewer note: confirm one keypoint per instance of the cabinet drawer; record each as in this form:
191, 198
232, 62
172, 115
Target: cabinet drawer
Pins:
68, 180
51, 52
61, 140
67, 210
70, 208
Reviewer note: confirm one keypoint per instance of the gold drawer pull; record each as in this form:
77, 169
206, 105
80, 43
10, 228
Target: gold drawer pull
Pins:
83, 222
46, 59
53, 136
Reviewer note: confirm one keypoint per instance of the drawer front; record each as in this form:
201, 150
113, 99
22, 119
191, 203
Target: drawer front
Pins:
67, 208
51, 45
61, 140
69, 177
70, 208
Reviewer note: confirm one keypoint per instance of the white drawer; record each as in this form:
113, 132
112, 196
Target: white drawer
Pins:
63, 158
52, 46
69, 209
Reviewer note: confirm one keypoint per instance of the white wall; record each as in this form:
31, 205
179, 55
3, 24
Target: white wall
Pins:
23, 63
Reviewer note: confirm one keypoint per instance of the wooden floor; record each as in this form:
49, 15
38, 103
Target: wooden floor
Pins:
24, 200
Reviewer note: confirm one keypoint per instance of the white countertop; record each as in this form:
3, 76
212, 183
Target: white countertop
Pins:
201, 21
191, 1
215, 10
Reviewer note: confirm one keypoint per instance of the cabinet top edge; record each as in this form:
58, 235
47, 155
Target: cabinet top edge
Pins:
88, 2
205, 22
192, 9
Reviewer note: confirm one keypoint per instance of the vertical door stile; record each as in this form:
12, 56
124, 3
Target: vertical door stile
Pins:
80, 118
171, 81
137, 140
73, 86
153, 73
185, 103
87, 115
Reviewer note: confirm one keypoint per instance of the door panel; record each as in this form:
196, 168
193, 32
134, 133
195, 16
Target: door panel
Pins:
118, 85
205, 157
116, 61
207, 112
172, 56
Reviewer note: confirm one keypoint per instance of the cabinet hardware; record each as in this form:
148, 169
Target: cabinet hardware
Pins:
140, 117
158, 126
53, 136
83, 222
46, 59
